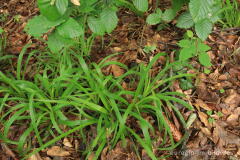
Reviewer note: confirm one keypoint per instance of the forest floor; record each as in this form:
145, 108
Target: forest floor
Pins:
215, 134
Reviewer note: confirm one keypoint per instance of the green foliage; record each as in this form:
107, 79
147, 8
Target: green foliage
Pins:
231, 13
141, 5
149, 49
192, 47
68, 85
202, 14
154, 18
70, 20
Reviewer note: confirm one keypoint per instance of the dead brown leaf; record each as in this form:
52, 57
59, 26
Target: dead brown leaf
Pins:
117, 70
233, 99
57, 151
35, 157
204, 118
67, 143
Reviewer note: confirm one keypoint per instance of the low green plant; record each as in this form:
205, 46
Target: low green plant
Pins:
91, 98
68, 22
194, 47
201, 15
231, 14
149, 49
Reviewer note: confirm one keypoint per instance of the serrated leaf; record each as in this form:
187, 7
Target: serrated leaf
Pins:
109, 19
168, 15
40, 25
201, 9
141, 5
203, 29
70, 29
62, 6
154, 18
185, 20
96, 26
56, 42
203, 47
204, 59
48, 10
185, 43
177, 5
186, 53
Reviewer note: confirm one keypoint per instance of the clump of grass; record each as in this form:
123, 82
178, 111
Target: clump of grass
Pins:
231, 14
69, 86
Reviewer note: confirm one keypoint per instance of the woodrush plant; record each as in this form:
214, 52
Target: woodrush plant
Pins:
231, 14
67, 22
92, 99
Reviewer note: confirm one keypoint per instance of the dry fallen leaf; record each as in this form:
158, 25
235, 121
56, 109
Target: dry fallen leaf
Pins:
203, 105
204, 118
35, 157
76, 2
57, 151
67, 143
8, 151
116, 70
233, 100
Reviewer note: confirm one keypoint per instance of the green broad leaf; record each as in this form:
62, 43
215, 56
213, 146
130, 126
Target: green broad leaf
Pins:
141, 5
189, 33
186, 53
168, 15
48, 10
56, 42
204, 59
203, 47
87, 6
109, 19
185, 20
70, 29
154, 18
61, 6
96, 26
177, 5
216, 12
203, 29
201, 9
39, 25
185, 43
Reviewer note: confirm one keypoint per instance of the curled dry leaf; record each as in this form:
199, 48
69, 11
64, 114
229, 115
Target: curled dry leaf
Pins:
204, 118
76, 2
202, 104
57, 151
67, 143
35, 157
116, 70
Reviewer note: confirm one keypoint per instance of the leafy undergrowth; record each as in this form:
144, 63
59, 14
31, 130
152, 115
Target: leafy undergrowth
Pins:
132, 98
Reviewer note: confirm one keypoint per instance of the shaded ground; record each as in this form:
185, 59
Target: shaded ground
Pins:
216, 97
